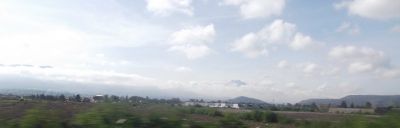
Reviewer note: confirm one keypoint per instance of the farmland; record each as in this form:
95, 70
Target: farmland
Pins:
44, 113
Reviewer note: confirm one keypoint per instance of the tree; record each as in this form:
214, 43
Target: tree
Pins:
271, 117
343, 104
352, 105
314, 107
86, 100
258, 115
78, 98
42, 96
368, 105
218, 113
62, 97
114, 98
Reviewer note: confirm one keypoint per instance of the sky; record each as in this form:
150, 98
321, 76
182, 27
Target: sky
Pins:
273, 50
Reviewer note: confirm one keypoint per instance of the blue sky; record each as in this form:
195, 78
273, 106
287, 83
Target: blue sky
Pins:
274, 50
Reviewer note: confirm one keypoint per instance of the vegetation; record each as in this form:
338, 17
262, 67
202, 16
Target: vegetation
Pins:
39, 118
41, 111
388, 121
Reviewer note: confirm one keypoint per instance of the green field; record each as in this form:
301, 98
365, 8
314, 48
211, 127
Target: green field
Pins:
58, 114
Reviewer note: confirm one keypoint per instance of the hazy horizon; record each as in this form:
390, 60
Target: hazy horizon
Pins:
273, 50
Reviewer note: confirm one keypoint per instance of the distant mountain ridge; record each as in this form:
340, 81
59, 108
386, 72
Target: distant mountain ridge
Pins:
27, 92
359, 100
243, 99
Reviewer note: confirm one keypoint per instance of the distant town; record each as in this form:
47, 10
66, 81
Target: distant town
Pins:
239, 103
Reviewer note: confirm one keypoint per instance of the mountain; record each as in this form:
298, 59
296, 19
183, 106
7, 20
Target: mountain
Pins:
27, 92
243, 99
376, 100
360, 100
321, 101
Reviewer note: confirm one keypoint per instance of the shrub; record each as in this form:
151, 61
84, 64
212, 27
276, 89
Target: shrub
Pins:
231, 122
39, 118
258, 115
156, 121
218, 113
105, 116
271, 117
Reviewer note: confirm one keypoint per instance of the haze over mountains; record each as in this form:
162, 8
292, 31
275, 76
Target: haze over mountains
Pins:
243, 99
359, 100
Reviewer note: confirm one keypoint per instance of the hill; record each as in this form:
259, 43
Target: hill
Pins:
243, 99
360, 100
321, 101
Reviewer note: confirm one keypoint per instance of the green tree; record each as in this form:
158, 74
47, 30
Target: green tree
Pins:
314, 107
62, 97
368, 105
218, 113
258, 115
271, 117
78, 98
343, 104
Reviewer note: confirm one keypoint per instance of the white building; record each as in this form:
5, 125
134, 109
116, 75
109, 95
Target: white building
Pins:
236, 106
211, 104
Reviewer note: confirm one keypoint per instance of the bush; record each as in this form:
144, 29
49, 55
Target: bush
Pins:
258, 116
271, 117
156, 121
105, 116
39, 118
218, 113
231, 122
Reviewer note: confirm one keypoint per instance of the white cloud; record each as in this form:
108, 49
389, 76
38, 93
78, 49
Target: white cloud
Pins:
359, 67
80, 76
250, 46
301, 41
192, 41
354, 53
191, 51
349, 28
373, 9
258, 8
167, 7
360, 59
391, 73
183, 69
36, 33
291, 84
41, 47
310, 67
396, 28
283, 64
254, 44
278, 31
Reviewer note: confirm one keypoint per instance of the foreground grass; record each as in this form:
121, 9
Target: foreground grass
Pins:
53, 114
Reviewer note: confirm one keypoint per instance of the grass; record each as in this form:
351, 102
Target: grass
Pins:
27, 114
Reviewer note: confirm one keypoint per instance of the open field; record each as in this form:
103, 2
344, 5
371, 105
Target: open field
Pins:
319, 116
38, 113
